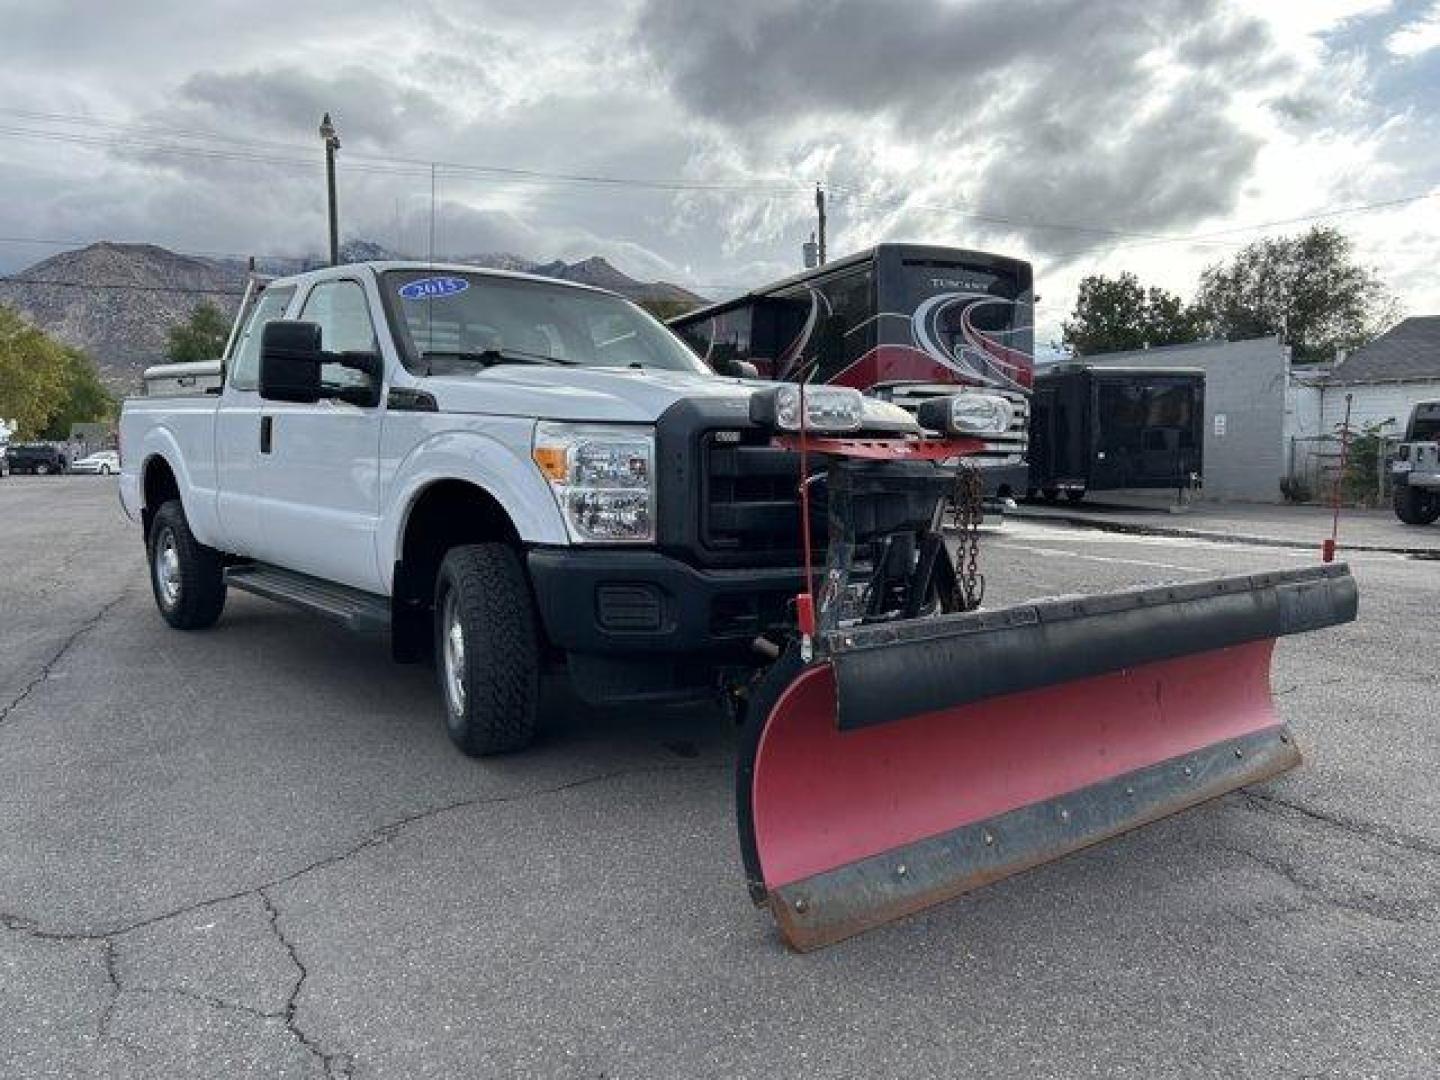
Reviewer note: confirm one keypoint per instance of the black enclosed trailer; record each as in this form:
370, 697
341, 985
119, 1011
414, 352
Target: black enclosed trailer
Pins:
1096, 428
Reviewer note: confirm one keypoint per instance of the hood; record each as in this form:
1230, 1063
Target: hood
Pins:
616, 395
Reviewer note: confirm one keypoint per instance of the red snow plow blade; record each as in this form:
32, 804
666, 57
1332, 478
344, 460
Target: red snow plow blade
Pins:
914, 760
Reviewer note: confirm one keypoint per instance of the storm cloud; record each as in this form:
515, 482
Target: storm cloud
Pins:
1083, 135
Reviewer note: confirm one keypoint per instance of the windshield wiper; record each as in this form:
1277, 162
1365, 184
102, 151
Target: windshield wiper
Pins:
491, 357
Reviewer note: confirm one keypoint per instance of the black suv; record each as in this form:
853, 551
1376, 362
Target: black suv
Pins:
35, 458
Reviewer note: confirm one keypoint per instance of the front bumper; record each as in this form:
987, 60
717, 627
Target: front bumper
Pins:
623, 602
1002, 481
1417, 478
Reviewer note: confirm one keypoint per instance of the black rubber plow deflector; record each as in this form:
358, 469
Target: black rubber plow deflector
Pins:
891, 671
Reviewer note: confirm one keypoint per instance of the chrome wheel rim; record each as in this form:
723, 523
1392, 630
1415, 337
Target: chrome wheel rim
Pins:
453, 648
167, 569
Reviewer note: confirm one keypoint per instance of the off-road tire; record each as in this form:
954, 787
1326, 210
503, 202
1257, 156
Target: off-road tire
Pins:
483, 589
200, 597
1416, 506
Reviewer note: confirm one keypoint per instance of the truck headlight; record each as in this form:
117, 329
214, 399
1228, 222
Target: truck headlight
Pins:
966, 414
603, 477
827, 408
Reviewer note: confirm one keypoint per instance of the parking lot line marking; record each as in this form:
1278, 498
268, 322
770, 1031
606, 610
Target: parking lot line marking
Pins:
1060, 553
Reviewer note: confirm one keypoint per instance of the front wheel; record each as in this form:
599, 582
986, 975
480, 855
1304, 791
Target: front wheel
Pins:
487, 648
1416, 506
187, 577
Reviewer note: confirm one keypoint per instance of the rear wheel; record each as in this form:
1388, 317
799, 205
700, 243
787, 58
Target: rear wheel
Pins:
487, 649
1051, 494
1075, 496
104, 470
1416, 506
187, 577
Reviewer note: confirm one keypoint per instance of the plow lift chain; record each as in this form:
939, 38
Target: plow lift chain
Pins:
967, 509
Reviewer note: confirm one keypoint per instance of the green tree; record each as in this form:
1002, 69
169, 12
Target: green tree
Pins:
85, 401
33, 375
1308, 289
1117, 314
200, 337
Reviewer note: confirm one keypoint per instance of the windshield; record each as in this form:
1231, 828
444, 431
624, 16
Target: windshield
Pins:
451, 321
977, 319
1425, 426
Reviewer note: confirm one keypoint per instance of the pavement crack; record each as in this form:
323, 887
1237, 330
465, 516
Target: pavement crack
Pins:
335, 1064
112, 973
1370, 906
46, 669
1272, 803
379, 835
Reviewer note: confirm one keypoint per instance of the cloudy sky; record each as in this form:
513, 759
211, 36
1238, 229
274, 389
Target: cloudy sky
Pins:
1086, 135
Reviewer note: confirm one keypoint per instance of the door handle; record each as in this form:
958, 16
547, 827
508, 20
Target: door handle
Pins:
267, 431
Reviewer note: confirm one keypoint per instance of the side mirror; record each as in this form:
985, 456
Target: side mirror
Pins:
290, 359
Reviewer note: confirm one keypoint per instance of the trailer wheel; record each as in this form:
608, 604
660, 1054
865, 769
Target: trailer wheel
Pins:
1416, 506
187, 577
487, 650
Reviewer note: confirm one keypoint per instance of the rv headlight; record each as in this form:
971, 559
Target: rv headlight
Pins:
603, 477
966, 414
827, 408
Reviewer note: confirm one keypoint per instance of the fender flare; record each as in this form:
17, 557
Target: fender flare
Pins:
483, 461
159, 442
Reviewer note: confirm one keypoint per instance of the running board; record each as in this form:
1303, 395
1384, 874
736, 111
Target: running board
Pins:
356, 610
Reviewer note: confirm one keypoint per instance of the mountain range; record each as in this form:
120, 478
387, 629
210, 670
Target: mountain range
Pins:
117, 301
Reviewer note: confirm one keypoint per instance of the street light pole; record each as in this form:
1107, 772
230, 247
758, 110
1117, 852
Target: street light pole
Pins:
332, 143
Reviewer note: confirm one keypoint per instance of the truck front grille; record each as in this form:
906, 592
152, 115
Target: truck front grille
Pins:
749, 501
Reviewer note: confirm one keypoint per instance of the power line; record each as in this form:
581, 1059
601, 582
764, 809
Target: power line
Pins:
151, 136
125, 286
273, 153
1299, 219
193, 252
269, 153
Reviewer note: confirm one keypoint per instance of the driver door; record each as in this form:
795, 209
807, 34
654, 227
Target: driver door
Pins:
320, 466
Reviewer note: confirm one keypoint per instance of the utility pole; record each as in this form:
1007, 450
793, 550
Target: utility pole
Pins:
820, 213
332, 143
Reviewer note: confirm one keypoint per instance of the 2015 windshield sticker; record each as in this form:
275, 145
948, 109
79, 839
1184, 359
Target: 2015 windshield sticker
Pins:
431, 287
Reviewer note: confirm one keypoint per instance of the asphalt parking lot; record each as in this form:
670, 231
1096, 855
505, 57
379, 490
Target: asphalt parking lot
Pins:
253, 852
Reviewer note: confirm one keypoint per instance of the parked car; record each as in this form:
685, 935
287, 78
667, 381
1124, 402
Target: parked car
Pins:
39, 458
103, 463
1415, 468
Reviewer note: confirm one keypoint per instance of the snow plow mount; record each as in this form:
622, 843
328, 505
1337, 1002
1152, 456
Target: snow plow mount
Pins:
914, 755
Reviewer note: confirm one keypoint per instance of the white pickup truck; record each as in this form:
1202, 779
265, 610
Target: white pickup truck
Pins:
502, 471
